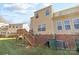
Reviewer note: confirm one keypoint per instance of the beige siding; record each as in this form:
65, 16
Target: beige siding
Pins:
70, 17
51, 21
43, 20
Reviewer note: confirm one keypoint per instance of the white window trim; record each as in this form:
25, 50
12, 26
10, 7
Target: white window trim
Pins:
59, 25
41, 26
67, 24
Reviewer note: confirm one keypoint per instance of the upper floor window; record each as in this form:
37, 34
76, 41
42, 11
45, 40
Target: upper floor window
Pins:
59, 25
76, 23
13, 26
67, 24
9, 26
42, 27
16, 26
36, 15
46, 12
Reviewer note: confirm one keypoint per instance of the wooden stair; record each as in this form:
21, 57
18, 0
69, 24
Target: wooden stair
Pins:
27, 36
33, 40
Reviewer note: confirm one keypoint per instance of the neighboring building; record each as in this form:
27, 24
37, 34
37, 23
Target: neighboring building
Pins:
3, 26
8, 30
12, 29
3, 31
62, 25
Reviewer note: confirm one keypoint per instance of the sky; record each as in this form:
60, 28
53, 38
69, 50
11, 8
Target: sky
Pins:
21, 12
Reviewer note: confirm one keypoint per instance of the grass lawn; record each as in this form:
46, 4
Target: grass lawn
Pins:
8, 47
7, 38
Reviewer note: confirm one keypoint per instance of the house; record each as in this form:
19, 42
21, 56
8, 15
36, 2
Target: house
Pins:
8, 30
61, 25
12, 29
3, 26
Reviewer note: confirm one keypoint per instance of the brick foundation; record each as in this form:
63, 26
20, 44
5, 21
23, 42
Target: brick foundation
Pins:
68, 39
42, 39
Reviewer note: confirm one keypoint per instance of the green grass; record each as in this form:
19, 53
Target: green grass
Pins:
8, 47
6, 38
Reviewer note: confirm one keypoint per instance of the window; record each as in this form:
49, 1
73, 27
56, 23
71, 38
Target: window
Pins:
9, 26
76, 23
36, 15
67, 24
42, 27
46, 12
4, 32
8, 32
16, 26
60, 44
13, 26
59, 25
1, 33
